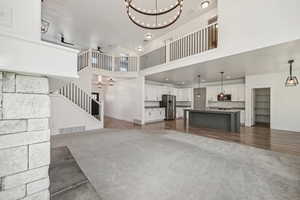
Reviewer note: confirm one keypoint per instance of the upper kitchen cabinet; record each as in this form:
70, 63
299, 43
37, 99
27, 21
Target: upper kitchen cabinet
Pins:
179, 96
237, 92
150, 93
155, 92
184, 94
188, 94
212, 93
241, 92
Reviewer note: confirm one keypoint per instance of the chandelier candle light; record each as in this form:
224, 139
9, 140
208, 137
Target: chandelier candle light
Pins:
154, 13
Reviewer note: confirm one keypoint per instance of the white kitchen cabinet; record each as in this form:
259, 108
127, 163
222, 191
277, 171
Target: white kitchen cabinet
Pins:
229, 89
241, 92
179, 96
168, 90
159, 92
242, 116
154, 114
237, 92
212, 93
164, 90
185, 94
173, 91
153, 92
179, 112
148, 115
189, 94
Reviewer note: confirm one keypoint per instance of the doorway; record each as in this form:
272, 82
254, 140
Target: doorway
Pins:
95, 105
200, 98
262, 107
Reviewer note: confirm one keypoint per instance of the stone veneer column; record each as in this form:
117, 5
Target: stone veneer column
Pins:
24, 137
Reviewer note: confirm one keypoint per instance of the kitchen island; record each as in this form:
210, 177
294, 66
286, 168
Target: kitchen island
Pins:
226, 120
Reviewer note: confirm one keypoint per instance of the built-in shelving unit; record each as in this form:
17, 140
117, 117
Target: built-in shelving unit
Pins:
262, 105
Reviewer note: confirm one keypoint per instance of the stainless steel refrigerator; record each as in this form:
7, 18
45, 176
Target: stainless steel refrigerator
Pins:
169, 102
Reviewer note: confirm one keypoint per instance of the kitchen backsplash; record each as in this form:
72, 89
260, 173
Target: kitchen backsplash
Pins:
157, 103
226, 104
184, 103
152, 104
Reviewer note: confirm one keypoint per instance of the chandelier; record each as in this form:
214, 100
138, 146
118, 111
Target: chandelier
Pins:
133, 11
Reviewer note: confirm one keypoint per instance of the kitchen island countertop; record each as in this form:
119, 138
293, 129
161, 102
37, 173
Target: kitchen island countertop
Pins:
213, 111
227, 120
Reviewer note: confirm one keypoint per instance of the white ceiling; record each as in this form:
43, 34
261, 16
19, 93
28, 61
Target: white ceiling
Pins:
89, 23
267, 60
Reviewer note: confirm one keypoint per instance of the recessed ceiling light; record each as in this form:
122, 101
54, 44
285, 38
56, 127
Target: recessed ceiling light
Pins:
182, 83
166, 79
228, 77
205, 4
148, 36
203, 80
139, 48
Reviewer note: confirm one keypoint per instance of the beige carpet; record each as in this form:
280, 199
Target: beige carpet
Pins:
167, 165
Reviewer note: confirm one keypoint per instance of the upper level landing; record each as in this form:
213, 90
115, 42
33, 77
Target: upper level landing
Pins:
107, 65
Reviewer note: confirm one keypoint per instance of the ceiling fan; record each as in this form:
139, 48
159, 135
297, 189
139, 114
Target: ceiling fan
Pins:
111, 82
62, 40
99, 49
100, 82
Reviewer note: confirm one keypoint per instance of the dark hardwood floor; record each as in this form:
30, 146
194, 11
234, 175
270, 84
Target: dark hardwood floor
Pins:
260, 137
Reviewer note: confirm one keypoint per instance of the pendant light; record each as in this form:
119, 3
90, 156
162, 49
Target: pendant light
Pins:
291, 80
222, 93
199, 79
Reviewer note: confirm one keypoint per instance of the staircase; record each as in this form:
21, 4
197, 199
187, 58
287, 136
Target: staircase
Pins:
74, 110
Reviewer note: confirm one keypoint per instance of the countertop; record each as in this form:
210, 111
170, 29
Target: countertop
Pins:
223, 108
213, 111
152, 107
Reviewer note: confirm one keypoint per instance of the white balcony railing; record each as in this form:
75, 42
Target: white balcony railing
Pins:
126, 64
101, 61
95, 59
194, 43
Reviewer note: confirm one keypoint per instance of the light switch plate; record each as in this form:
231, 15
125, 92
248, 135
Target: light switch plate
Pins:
6, 16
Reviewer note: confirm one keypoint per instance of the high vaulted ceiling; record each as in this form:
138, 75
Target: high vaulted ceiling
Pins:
89, 23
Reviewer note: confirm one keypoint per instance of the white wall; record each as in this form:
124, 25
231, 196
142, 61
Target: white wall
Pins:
21, 49
65, 114
250, 24
21, 18
125, 100
117, 51
285, 106
85, 80
21, 55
